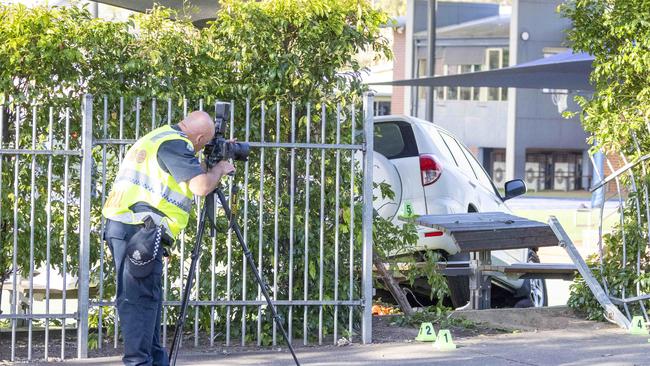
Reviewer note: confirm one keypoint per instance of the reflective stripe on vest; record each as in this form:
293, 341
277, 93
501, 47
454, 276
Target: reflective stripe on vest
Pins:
167, 133
143, 180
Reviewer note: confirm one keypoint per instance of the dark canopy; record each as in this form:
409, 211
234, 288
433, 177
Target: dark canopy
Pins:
562, 71
203, 10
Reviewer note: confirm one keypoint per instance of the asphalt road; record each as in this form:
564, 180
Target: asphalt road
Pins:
610, 346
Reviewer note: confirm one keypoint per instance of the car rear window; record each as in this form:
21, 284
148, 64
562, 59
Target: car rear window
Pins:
458, 154
482, 176
438, 142
395, 140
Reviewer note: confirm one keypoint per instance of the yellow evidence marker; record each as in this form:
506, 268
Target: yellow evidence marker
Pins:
444, 341
638, 326
427, 333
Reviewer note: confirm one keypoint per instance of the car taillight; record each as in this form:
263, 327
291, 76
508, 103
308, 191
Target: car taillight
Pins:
430, 169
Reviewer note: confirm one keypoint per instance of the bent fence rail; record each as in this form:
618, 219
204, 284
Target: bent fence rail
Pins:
626, 188
304, 199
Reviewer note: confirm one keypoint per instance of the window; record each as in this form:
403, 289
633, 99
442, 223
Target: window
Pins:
476, 92
494, 59
388, 139
464, 91
494, 94
455, 92
438, 142
482, 176
464, 69
440, 93
382, 107
452, 91
557, 170
458, 154
395, 140
421, 100
422, 67
497, 58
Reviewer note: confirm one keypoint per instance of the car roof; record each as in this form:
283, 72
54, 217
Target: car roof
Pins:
411, 120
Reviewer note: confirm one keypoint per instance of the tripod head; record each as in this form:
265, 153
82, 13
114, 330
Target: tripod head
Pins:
219, 148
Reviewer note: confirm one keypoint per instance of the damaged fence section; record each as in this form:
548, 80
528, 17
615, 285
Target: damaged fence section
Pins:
303, 198
623, 253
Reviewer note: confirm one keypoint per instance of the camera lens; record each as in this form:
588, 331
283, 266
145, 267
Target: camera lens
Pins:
240, 151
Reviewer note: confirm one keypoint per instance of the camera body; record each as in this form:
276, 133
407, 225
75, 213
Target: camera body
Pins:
219, 148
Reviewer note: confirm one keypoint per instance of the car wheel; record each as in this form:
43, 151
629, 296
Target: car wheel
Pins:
534, 289
458, 285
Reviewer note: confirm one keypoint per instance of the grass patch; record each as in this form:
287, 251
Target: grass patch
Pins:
559, 194
554, 194
567, 217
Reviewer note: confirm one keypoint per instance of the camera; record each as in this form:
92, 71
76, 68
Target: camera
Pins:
219, 148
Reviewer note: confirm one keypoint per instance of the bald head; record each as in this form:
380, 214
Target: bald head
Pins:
199, 128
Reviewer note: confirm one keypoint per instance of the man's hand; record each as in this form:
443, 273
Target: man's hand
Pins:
222, 168
203, 184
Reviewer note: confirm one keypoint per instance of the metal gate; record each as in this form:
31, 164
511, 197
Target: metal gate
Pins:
624, 193
304, 200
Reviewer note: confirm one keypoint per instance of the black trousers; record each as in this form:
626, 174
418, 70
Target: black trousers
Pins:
139, 302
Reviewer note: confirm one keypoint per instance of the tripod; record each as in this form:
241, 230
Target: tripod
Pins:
207, 212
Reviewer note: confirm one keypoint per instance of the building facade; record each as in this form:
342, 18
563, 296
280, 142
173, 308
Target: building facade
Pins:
516, 133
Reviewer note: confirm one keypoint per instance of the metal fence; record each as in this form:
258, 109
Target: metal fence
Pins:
627, 186
304, 200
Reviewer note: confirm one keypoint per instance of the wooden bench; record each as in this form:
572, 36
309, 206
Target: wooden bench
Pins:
481, 233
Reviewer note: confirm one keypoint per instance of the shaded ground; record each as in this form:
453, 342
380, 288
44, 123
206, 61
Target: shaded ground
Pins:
54, 345
548, 336
386, 329
602, 346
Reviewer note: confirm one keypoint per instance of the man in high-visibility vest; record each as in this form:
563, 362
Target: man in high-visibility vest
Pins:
148, 206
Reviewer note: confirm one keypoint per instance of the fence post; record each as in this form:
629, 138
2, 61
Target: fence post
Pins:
84, 232
367, 283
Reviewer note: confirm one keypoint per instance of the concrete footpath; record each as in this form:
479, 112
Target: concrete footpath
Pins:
610, 346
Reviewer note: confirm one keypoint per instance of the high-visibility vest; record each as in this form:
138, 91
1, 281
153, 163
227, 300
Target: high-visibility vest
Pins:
141, 179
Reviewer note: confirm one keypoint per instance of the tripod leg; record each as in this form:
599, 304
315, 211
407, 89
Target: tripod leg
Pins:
196, 252
249, 257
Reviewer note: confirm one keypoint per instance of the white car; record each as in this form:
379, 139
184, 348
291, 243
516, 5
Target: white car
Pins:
431, 172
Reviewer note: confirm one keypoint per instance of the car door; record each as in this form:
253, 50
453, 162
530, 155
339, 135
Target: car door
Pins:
488, 196
490, 201
468, 180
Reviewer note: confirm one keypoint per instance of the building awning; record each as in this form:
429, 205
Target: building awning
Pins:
565, 70
201, 12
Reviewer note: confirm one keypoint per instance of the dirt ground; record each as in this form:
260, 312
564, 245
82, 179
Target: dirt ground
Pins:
385, 330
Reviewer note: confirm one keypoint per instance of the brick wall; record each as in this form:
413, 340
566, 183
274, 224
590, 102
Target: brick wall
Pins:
617, 162
399, 68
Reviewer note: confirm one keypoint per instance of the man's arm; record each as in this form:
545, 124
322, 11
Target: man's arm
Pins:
176, 157
203, 184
